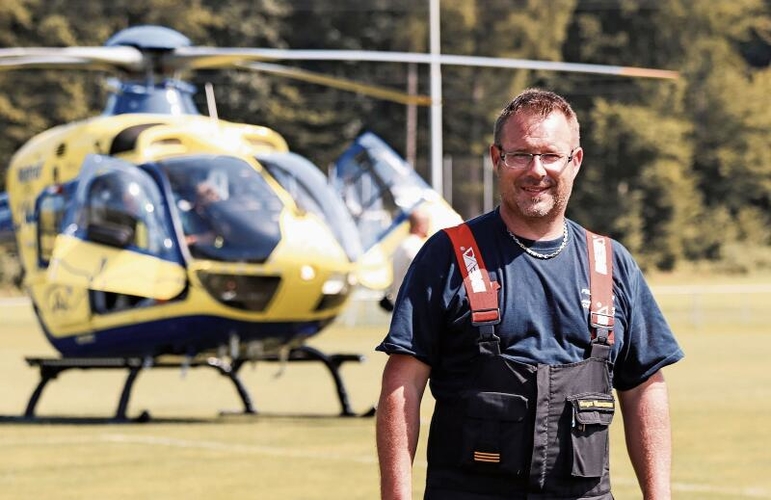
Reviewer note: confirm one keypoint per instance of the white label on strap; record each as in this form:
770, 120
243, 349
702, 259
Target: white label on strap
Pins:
601, 266
472, 268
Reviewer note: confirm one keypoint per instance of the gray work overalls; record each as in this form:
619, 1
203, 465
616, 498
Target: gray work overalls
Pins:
520, 431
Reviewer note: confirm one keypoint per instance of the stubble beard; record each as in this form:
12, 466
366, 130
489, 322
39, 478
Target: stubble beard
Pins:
547, 206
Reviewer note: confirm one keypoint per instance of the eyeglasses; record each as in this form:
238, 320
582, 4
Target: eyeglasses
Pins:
520, 159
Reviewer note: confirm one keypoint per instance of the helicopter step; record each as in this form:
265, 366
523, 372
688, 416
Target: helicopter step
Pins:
50, 368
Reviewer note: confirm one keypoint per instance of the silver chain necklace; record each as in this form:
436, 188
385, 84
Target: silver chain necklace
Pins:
539, 255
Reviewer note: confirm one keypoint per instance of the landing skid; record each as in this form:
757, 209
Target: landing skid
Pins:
50, 368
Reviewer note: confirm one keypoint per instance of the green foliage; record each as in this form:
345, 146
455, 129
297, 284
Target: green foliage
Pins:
666, 163
637, 181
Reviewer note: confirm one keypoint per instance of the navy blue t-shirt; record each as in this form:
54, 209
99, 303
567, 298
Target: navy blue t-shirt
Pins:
544, 308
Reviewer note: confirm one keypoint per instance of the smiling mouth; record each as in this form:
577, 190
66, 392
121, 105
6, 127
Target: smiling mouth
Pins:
535, 190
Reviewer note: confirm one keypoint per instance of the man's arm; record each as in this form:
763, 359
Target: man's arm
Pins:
398, 423
648, 435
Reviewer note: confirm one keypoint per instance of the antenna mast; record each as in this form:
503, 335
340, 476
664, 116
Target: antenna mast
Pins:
436, 99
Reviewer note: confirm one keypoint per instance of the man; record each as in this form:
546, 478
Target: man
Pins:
405, 252
197, 224
524, 394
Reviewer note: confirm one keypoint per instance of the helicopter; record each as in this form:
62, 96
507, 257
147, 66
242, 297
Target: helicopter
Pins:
156, 236
153, 232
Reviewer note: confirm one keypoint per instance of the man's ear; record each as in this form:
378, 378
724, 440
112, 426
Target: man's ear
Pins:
578, 158
578, 155
495, 156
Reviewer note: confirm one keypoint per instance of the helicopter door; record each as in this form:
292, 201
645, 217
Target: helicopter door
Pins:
60, 307
381, 190
117, 240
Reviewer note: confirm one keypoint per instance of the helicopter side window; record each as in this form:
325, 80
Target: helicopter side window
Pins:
123, 211
50, 213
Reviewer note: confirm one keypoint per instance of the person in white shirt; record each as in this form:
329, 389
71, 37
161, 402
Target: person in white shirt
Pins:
405, 252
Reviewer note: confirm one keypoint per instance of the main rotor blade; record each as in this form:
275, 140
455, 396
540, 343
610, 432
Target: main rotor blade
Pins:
186, 58
92, 58
340, 83
66, 63
205, 57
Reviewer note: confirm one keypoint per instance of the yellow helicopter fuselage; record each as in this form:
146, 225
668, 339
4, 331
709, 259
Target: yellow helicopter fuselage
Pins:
187, 303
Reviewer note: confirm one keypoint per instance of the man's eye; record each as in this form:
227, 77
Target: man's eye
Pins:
550, 158
521, 157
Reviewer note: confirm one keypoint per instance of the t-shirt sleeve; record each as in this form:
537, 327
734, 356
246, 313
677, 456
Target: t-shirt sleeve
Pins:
419, 309
649, 344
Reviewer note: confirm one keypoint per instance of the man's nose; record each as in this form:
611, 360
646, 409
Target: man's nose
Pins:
536, 166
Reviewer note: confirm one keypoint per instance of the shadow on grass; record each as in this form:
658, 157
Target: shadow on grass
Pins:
146, 418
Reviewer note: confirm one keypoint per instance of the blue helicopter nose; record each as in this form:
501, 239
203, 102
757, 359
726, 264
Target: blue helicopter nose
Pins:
149, 37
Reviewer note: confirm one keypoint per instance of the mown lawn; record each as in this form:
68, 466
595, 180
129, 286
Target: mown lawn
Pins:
297, 449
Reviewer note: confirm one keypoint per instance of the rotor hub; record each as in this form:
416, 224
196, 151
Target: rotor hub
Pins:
149, 37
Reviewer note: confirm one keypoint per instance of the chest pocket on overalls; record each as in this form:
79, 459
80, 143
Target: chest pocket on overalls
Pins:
494, 433
592, 415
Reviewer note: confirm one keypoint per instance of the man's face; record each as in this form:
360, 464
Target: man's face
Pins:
207, 194
538, 190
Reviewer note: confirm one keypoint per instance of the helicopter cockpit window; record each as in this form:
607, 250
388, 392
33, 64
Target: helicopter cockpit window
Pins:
124, 209
311, 192
226, 209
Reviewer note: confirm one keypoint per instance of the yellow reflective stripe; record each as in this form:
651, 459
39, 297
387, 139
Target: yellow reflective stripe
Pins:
481, 456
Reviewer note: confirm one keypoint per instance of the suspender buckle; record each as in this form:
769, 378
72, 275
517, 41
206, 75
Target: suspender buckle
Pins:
480, 317
602, 327
488, 342
601, 320
485, 320
487, 332
603, 336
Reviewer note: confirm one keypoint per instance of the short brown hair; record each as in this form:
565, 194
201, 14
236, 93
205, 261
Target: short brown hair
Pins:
536, 102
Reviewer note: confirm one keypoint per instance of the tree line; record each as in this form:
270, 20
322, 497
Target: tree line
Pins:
679, 171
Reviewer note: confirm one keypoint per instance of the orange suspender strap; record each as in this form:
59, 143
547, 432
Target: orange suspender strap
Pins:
601, 310
482, 293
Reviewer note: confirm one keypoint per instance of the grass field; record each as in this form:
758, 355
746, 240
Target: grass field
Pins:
297, 449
